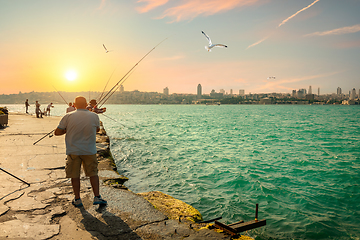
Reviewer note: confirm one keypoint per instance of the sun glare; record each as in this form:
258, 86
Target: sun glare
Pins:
71, 75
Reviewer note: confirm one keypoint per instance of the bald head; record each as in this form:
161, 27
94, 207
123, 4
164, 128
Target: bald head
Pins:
80, 102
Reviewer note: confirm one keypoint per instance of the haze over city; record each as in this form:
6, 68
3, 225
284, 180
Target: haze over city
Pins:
273, 45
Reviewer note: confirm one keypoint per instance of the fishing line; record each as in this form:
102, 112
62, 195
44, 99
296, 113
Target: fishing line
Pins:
105, 86
60, 95
102, 101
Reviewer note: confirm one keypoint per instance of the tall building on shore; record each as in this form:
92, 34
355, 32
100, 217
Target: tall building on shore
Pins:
231, 92
241, 92
338, 91
166, 91
318, 91
121, 88
199, 91
353, 94
310, 90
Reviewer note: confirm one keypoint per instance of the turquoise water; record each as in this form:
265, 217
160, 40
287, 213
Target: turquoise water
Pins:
300, 163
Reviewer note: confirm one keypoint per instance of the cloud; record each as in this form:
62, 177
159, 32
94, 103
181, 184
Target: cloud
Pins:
151, 4
338, 31
258, 42
102, 4
292, 16
189, 9
283, 22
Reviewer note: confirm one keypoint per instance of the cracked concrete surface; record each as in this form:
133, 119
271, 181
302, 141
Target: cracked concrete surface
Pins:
43, 210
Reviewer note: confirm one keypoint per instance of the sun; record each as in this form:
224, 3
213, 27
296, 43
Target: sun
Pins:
71, 75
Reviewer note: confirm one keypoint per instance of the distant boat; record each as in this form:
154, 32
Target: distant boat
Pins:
212, 103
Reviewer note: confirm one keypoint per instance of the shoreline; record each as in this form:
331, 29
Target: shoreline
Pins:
159, 200
43, 209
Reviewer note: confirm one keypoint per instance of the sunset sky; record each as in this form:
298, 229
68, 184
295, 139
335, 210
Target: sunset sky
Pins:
46, 44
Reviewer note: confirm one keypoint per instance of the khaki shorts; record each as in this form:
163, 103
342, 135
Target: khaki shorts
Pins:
73, 165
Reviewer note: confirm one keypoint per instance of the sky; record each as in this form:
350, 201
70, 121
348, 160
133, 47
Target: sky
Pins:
48, 46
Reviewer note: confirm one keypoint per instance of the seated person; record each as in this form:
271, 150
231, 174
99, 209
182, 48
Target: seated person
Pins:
70, 108
92, 107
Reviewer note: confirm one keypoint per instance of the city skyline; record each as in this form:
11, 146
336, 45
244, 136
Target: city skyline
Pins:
166, 91
272, 46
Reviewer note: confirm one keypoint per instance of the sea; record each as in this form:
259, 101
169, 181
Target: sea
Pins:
299, 163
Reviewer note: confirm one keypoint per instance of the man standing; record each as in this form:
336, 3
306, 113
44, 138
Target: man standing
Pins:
80, 127
37, 109
27, 105
48, 109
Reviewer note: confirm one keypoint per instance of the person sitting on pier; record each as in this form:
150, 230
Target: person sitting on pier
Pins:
92, 107
70, 108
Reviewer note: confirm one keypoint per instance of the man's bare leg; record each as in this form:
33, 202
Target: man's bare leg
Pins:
76, 187
94, 180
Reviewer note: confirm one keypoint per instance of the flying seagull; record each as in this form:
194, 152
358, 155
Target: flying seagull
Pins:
208, 48
271, 77
106, 51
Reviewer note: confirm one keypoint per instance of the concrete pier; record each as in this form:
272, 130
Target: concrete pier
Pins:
43, 210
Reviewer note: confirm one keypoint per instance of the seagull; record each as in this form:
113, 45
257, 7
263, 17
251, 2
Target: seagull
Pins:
105, 49
208, 48
273, 77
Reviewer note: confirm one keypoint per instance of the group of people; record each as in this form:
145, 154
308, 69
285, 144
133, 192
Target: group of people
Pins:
38, 111
91, 106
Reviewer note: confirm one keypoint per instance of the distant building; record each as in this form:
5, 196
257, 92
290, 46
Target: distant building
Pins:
121, 88
265, 101
199, 91
310, 90
231, 92
215, 94
222, 91
293, 93
338, 91
301, 93
318, 91
241, 92
166, 91
309, 96
353, 94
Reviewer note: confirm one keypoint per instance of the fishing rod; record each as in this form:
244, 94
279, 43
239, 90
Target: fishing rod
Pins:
112, 119
105, 86
60, 95
106, 97
15, 176
48, 134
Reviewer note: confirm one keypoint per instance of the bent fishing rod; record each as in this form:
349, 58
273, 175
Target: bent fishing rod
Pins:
111, 92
